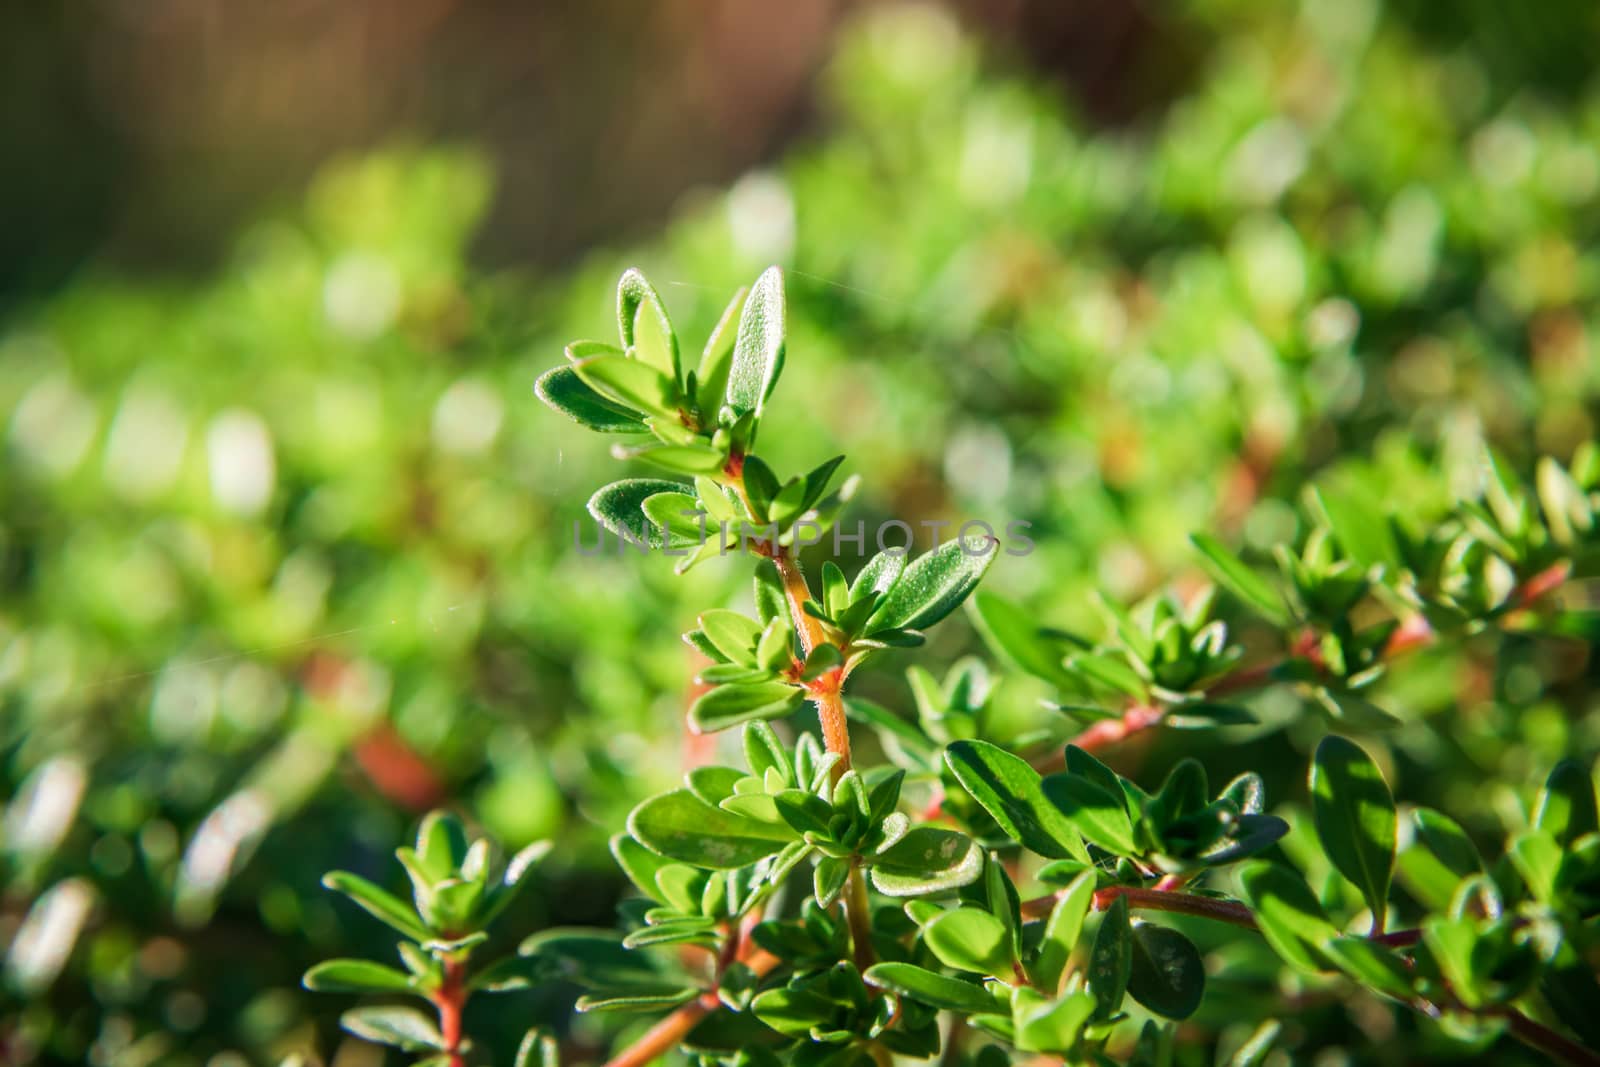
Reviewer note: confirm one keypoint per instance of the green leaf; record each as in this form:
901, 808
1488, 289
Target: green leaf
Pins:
928, 859
403, 1028
1013, 634
933, 586
1537, 857
1358, 524
1228, 571
760, 487
1110, 671
735, 635
968, 939
562, 390
927, 987
1111, 962
678, 458
1167, 974
823, 659
591, 1002
1373, 965
378, 902
441, 844
1046, 1025
681, 826
1288, 913
711, 379
1254, 1051
1010, 790
507, 976
758, 346
1450, 942
1355, 819
356, 976
1100, 817
879, 574
619, 507
1440, 856
1063, 929
1184, 793
629, 382
1572, 988
900, 738
681, 516
828, 880
645, 325
801, 494
794, 1010
538, 1049
1203, 714
598, 961
1566, 806
734, 705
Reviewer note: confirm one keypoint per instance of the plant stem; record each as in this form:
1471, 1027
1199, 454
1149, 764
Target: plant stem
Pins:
667, 1034
1144, 899
824, 691
451, 1001
857, 911
835, 738
1413, 633
1533, 1034
1539, 1036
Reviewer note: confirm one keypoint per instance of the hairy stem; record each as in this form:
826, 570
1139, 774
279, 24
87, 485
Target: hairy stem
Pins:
835, 738
825, 690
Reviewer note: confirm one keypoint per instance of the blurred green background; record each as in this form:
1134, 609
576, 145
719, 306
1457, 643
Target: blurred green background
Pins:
286, 547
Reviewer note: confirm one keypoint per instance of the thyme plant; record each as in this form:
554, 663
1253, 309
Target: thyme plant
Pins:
982, 896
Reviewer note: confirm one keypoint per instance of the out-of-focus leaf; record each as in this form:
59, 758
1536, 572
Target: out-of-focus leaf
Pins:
378, 902
1288, 913
403, 1028
356, 976
1014, 634
1230, 572
1566, 805
1355, 819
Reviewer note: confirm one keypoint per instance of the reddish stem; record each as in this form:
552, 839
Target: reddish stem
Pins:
451, 1001
669, 1033
1413, 633
1533, 1034
1543, 583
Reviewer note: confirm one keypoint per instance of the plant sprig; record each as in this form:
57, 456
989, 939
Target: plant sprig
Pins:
804, 908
